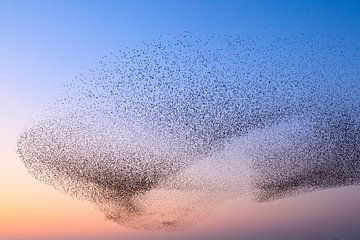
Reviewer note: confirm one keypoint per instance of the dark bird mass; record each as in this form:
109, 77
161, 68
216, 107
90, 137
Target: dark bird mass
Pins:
157, 136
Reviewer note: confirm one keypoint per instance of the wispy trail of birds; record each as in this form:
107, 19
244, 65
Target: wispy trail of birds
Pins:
157, 136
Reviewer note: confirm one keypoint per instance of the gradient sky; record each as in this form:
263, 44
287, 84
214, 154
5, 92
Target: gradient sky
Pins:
44, 44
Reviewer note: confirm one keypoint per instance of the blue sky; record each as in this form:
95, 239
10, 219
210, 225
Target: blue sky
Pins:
61, 36
49, 41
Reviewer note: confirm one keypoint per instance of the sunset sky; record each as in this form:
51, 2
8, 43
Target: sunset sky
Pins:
44, 44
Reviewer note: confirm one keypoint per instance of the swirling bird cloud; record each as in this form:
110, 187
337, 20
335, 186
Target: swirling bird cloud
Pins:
157, 136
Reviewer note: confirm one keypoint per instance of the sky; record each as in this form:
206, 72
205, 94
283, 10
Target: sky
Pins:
44, 44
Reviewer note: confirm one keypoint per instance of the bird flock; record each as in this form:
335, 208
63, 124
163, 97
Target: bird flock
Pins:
158, 135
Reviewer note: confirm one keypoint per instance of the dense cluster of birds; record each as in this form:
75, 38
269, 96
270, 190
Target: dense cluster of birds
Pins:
156, 136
